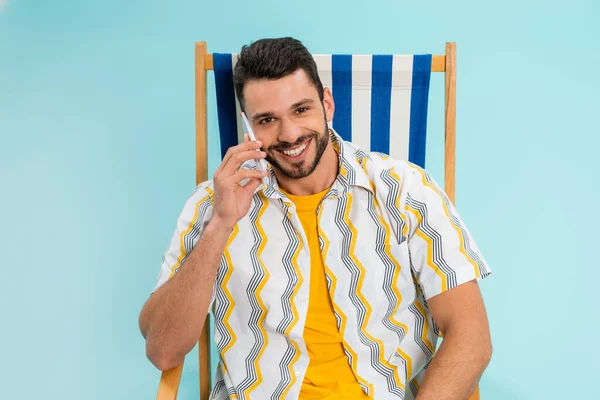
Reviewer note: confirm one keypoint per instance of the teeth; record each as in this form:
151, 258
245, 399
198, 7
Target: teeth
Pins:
295, 152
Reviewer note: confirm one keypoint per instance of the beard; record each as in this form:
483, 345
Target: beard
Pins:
302, 168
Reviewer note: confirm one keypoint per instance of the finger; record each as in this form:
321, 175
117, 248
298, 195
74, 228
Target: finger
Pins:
252, 185
249, 145
246, 174
246, 138
236, 160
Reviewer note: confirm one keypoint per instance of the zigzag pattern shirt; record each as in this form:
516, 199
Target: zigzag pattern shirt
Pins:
390, 240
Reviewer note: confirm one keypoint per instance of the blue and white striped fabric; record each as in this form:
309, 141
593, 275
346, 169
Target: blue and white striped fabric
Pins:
381, 101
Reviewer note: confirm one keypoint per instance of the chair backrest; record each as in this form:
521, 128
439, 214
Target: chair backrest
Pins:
381, 101
381, 105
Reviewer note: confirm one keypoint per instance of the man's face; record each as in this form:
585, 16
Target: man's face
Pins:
290, 120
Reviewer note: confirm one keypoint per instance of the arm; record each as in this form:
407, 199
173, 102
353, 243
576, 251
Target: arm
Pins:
466, 348
165, 320
447, 264
172, 319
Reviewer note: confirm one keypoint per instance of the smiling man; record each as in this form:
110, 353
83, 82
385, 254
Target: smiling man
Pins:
334, 280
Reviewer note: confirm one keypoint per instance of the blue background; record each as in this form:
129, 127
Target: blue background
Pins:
97, 159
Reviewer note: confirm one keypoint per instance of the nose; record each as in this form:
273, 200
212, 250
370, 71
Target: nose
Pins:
289, 131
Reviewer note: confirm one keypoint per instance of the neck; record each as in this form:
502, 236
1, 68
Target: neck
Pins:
320, 179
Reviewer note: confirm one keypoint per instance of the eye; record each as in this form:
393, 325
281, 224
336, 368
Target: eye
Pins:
302, 110
265, 120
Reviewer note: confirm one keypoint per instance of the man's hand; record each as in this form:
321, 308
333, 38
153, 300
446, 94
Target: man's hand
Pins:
232, 201
173, 317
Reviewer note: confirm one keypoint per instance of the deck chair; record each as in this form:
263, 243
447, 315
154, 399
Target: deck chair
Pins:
381, 105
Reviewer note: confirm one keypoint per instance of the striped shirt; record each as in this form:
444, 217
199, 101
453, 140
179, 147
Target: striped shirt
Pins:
390, 239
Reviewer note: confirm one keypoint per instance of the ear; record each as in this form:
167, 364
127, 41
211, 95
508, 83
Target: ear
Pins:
328, 104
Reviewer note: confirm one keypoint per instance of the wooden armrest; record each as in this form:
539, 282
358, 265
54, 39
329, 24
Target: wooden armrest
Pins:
169, 383
475, 395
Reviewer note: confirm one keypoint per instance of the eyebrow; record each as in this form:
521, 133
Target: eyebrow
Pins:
301, 103
262, 115
293, 106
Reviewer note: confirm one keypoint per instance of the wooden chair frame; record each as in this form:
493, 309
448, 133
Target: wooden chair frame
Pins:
169, 383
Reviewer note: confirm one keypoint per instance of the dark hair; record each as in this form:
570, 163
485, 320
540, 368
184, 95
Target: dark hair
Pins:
274, 59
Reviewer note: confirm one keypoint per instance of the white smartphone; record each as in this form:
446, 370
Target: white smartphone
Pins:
261, 163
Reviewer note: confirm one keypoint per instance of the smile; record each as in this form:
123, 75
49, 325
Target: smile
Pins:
295, 152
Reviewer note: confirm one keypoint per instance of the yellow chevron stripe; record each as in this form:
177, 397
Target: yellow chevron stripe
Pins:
226, 278
397, 269
359, 291
425, 326
183, 234
408, 361
337, 309
259, 289
344, 171
370, 386
395, 175
294, 320
456, 227
406, 357
429, 242
211, 194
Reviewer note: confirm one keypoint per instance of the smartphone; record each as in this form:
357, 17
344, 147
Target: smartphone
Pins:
261, 163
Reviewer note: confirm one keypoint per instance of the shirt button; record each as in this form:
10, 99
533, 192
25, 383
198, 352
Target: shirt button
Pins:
298, 374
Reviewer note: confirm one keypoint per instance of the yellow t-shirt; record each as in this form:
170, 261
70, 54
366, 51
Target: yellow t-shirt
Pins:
329, 375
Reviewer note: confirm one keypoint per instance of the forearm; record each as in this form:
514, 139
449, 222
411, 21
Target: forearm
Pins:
456, 368
173, 318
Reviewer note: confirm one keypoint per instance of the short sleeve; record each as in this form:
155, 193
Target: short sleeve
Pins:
191, 222
443, 253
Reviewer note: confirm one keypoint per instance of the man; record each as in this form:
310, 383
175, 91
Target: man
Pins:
335, 279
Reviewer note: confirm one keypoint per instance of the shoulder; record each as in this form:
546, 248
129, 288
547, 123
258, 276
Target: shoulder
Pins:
402, 169
199, 203
202, 190
384, 169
